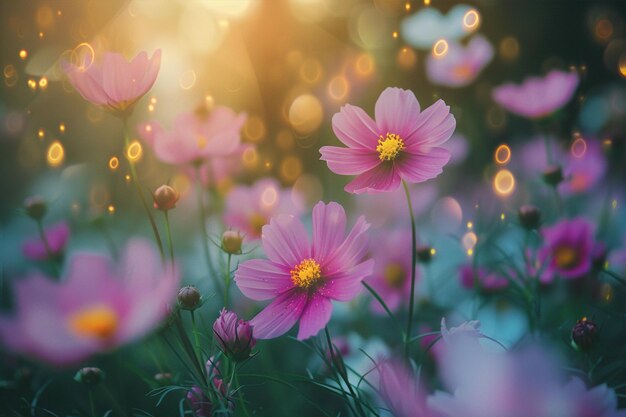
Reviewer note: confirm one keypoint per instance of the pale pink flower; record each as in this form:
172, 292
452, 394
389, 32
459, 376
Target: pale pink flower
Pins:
461, 65
401, 391
95, 308
115, 83
303, 276
195, 136
404, 143
537, 97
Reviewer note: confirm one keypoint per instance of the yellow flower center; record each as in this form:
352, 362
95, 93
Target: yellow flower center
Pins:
389, 146
97, 321
306, 273
565, 257
202, 141
394, 275
257, 221
462, 71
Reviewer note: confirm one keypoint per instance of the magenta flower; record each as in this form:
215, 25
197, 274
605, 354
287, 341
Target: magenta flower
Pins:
56, 236
233, 336
392, 269
248, 209
195, 136
486, 280
537, 97
401, 391
599, 401
583, 171
461, 65
95, 308
403, 144
303, 277
567, 249
115, 84
199, 402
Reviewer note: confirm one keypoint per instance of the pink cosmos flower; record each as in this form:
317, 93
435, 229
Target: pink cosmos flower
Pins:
403, 143
567, 249
392, 268
95, 308
115, 84
461, 65
583, 171
234, 336
217, 170
537, 97
195, 136
303, 277
56, 236
599, 401
248, 209
488, 281
401, 392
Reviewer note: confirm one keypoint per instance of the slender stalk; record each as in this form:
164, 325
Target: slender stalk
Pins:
205, 243
227, 281
144, 203
242, 402
91, 403
195, 331
409, 328
50, 255
169, 235
384, 306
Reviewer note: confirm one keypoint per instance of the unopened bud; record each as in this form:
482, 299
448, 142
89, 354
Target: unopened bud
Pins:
89, 375
584, 333
165, 198
231, 242
189, 298
553, 175
425, 254
35, 207
529, 217
233, 336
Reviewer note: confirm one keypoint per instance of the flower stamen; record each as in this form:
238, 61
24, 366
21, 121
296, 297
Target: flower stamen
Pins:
306, 273
389, 146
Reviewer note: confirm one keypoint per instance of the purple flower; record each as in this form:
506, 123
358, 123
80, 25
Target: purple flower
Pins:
461, 65
199, 402
401, 391
56, 236
583, 170
486, 280
392, 268
248, 209
195, 136
303, 277
599, 401
95, 308
567, 249
403, 143
537, 97
234, 336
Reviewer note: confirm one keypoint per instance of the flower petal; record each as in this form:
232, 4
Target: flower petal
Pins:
260, 279
433, 127
355, 128
315, 316
329, 226
345, 285
349, 161
285, 240
397, 111
381, 178
422, 166
280, 315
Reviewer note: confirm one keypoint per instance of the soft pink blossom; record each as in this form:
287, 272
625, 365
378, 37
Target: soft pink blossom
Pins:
248, 209
56, 237
96, 307
115, 83
461, 65
404, 143
303, 276
195, 136
401, 391
537, 97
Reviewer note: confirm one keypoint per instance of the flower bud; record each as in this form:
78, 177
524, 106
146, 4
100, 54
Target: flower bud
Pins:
89, 375
233, 336
553, 175
199, 403
189, 298
165, 198
35, 207
425, 254
529, 217
584, 334
231, 242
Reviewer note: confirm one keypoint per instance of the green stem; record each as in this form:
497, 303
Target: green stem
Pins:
169, 235
196, 340
384, 306
242, 402
55, 260
409, 328
227, 281
144, 203
205, 243
91, 404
